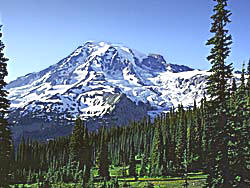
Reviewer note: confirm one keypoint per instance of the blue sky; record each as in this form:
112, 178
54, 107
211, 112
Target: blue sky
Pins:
38, 33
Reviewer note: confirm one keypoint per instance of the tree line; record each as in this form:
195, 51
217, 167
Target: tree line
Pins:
170, 145
212, 137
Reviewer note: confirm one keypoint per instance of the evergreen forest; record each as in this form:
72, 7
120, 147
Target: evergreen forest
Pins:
206, 145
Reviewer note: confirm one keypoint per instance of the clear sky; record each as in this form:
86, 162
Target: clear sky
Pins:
38, 33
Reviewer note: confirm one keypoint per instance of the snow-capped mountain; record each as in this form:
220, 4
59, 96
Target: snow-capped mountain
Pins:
104, 84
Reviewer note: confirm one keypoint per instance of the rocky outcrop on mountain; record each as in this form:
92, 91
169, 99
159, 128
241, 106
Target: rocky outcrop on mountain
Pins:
105, 84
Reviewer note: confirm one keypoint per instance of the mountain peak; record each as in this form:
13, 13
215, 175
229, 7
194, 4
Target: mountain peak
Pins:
105, 58
90, 80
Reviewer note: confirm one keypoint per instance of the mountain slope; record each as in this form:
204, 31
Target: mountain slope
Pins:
105, 84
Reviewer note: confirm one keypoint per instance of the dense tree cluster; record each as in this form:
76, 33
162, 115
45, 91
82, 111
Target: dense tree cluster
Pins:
169, 145
228, 131
212, 137
158, 145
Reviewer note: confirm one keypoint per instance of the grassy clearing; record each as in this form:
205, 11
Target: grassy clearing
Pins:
169, 184
157, 184
195, 180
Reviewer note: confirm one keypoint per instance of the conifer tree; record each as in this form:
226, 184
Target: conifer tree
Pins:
157, 150
195, 138
132, 163
77, 142
219, 174
143, 170
103, 156
5, 132
248, 79
181, 139
86, 155
234, 87
240, 147
21, 152
80, 149
167, 144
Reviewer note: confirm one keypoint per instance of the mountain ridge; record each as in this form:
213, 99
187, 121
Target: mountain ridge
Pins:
93, 80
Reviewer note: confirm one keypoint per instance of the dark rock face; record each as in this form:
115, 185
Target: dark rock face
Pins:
155, 62
237, 72
123, 112
180, 68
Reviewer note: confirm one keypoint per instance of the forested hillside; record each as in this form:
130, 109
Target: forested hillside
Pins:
206, 144
173, 144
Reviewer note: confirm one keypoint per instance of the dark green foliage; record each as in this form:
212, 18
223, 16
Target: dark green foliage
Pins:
90, 182
125, 184
195, 132
143, 171
119, 144
80, 149
248, 79
157, 150
239, 147
116, 183
181, 140
5, 132
132, 164
227, 134
149, 185
77, 142
219, 173
103, 155
234, 87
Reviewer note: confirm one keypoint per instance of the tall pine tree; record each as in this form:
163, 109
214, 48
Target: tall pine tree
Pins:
5, 132
77, 142
248, 79
132, 162
219, 174
157, 150
103, 156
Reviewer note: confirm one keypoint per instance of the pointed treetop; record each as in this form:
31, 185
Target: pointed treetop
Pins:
242, 78
234, 87
195, 105
248, 78
248, 67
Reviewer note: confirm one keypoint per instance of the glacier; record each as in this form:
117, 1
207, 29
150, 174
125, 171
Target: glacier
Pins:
94, 80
